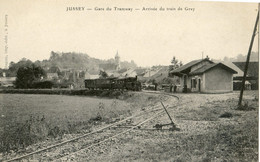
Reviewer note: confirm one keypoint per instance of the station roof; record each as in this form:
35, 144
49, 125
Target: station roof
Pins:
189, 65
206, 68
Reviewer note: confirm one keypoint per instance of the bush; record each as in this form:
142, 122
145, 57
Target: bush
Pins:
226, 115
245, 107
43, 85
27, 75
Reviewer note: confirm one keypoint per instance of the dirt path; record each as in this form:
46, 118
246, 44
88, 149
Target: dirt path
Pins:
204, 136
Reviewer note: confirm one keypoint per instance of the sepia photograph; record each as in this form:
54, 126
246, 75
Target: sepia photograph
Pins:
112, 80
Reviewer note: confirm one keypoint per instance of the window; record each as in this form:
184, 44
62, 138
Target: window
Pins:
194, 83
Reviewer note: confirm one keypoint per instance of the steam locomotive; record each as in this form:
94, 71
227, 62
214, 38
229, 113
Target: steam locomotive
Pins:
129, 83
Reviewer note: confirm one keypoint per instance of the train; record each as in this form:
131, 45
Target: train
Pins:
128, 83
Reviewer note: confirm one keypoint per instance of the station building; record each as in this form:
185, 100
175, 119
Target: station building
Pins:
204, 76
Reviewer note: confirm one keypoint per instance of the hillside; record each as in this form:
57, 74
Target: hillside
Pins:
68, 60
242, 58
80, 61
71, 60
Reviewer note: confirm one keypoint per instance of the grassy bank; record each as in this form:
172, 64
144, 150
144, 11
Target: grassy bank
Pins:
26, 119
81, 92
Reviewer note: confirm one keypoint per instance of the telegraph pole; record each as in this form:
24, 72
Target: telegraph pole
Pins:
247, 60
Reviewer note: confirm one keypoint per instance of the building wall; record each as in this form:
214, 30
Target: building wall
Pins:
181, 85
189, 82
189, 79
197, 78
218, 80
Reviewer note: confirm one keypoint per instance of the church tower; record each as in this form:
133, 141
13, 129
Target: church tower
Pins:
117, 61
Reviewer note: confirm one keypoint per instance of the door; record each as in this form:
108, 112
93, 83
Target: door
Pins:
199, 85
185, 80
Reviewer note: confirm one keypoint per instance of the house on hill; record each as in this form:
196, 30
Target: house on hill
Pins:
205, 76
129, 73
151, 72
140, 72
52, 73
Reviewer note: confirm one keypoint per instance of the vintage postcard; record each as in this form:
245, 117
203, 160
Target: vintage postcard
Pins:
170, 80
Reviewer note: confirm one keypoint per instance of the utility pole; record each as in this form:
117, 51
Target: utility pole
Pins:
247, 61
6, 61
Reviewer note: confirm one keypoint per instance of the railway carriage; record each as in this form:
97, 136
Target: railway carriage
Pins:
99, 83
129, 83
90, 83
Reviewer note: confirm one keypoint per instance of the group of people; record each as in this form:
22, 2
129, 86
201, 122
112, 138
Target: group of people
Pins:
173, 87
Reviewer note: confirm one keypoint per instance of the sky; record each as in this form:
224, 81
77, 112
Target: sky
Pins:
217, 29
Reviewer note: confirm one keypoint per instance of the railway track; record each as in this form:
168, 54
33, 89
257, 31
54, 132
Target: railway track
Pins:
66, 149
117, 133
144, 123
160, 93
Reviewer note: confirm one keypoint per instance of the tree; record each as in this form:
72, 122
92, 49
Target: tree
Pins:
27, 75
103, 74
174, 64
13, 67
54, 56
174, 61
180, 64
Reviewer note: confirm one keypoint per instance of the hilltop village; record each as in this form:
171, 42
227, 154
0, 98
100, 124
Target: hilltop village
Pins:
70, 70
